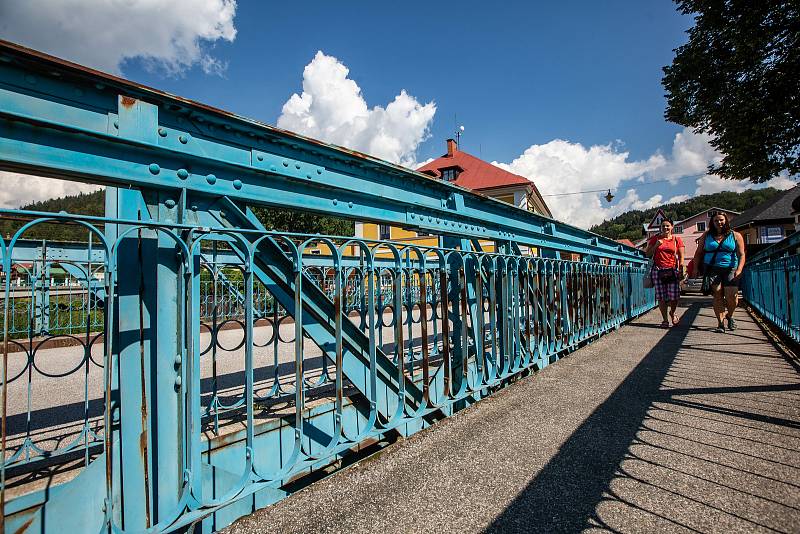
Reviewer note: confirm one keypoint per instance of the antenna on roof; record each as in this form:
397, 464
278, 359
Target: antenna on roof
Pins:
459, 131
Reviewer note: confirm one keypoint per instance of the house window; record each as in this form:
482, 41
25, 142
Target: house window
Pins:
701, 226
678, 229
770, 234
449, 174
383, 232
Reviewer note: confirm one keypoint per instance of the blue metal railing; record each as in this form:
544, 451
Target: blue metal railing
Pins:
201, 361
771, 284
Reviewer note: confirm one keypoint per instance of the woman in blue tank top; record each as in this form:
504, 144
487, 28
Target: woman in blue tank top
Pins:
720, 256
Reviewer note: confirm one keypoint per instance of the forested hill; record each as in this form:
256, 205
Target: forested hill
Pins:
94, 204
82, 203
629, 224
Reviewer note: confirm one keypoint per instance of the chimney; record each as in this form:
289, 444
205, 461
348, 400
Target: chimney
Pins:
452, 147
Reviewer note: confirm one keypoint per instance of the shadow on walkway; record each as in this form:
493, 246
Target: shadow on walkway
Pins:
689, 441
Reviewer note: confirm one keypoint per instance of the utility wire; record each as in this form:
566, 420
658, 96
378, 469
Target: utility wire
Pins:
645, 183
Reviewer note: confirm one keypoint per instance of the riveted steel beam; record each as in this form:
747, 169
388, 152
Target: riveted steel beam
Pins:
46, 105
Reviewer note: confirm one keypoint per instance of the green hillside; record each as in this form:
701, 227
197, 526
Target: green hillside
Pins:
94, 204
629, 224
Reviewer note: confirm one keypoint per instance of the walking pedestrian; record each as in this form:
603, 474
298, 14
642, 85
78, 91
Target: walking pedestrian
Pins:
721, 255
666, 249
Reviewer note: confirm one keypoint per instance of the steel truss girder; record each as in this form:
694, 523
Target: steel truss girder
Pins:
274, 269
122, 134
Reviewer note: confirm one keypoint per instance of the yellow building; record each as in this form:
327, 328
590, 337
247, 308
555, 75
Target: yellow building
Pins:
467, 171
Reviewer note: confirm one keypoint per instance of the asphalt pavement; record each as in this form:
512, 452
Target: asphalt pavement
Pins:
645, 430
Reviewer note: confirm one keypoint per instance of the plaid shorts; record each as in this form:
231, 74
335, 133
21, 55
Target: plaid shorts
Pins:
665, 290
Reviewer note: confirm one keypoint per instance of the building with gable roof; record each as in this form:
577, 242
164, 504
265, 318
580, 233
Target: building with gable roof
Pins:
768, 222
465, 170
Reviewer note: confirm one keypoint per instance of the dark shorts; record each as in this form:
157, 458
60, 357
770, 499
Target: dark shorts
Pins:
722, 275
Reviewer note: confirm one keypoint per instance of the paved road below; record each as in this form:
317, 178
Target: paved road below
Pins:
646, 430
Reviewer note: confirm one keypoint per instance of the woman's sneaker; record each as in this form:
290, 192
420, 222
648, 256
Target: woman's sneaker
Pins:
731, 323
720, 329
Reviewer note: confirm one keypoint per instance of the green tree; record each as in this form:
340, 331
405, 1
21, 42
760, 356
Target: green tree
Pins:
738, 79
629, 224
303, 222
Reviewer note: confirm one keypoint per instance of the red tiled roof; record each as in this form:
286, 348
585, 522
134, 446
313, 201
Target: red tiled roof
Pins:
626, 242
477, 174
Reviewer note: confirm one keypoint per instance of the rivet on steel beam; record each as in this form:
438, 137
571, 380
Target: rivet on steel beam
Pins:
116, 124
183, 174
237, 184
183, 139
413, 216
319, 171
335, 201
260, 157
154, 168
193, 207
349, 204
211, 179
169, 203
308, 176
178, 359
162, 132
273, 168
178, 382
285, 163
296, 165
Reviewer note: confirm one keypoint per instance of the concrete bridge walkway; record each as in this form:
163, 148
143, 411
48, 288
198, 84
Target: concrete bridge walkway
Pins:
646, 430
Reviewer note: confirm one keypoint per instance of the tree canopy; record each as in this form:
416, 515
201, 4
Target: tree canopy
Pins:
738, 79
629, 224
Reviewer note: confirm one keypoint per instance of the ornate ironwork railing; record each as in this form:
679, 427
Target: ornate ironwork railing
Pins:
185, 363
771, 284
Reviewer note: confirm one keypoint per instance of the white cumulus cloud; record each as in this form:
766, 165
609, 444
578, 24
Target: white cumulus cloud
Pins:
103, 34
560, 166
331, 108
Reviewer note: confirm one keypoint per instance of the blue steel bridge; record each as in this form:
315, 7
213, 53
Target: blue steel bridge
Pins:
180, 366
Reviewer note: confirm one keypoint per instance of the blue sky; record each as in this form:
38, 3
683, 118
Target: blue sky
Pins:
565, 93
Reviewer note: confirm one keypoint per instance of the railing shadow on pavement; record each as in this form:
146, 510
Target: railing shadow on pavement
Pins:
580, 486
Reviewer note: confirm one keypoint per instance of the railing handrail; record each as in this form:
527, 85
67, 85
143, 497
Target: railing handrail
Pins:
776, 249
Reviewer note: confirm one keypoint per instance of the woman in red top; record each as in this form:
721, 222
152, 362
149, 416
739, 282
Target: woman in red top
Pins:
666, 250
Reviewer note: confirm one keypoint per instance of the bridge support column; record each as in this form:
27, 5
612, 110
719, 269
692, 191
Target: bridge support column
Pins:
148, 344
